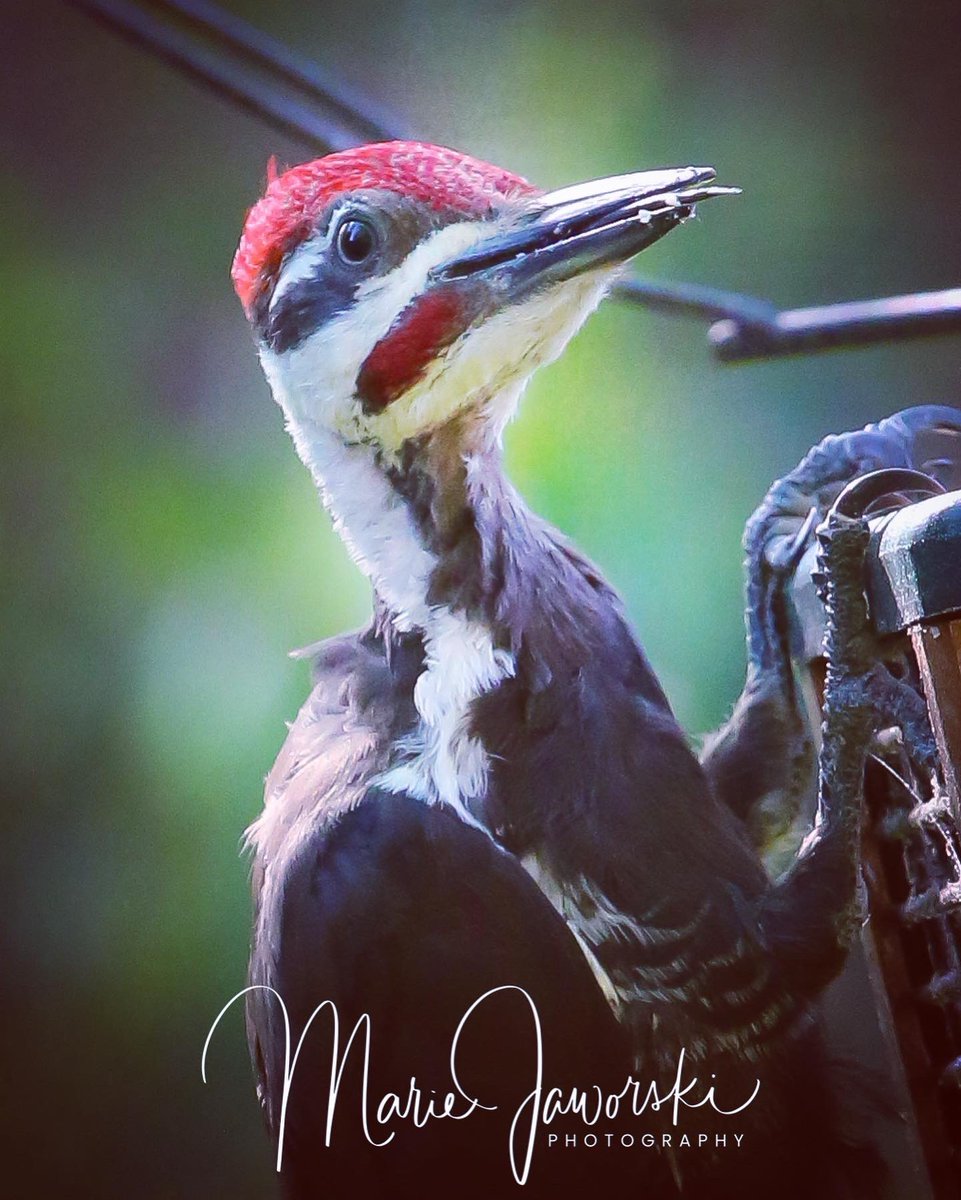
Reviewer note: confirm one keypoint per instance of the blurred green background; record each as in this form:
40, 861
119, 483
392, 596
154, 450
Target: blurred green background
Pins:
162, 547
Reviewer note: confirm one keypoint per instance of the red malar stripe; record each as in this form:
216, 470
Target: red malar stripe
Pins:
422, 331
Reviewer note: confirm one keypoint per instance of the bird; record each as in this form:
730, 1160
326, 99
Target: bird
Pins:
486, 831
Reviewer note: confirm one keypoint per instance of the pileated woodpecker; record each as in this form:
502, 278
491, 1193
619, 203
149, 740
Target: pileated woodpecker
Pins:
487, 788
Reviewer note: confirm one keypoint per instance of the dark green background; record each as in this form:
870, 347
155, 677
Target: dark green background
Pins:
161, 547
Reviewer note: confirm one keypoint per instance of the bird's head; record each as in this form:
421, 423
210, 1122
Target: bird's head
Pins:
395, 287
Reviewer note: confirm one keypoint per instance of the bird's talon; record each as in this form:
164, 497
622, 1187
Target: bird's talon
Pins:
785, 557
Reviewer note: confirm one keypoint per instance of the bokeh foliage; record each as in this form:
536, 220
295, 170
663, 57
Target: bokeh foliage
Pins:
162, 548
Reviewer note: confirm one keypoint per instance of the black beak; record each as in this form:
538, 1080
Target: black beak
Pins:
584, 227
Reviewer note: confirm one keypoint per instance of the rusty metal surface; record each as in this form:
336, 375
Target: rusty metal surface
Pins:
937, 647
913, 873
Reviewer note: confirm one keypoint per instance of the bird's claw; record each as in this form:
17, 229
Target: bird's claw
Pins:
784, 553
924, 439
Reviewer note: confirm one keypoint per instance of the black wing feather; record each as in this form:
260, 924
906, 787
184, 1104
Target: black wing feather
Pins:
401, 911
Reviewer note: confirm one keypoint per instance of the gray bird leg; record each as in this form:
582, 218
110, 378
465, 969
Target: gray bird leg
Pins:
810, 917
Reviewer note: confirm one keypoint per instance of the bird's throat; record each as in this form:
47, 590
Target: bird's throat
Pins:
423, 524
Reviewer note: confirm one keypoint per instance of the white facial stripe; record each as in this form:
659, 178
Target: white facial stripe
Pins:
303, 261
316, 379
299, 266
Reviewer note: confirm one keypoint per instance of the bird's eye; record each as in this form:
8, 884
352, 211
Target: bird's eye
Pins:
355, 240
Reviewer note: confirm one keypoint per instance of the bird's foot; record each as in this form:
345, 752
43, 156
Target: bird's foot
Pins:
926, 439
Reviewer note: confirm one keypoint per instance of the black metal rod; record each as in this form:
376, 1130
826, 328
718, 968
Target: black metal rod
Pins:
357, 112
229, 77
833, 326
697, 300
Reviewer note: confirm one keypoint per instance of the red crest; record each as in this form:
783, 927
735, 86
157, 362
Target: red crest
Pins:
293, 200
